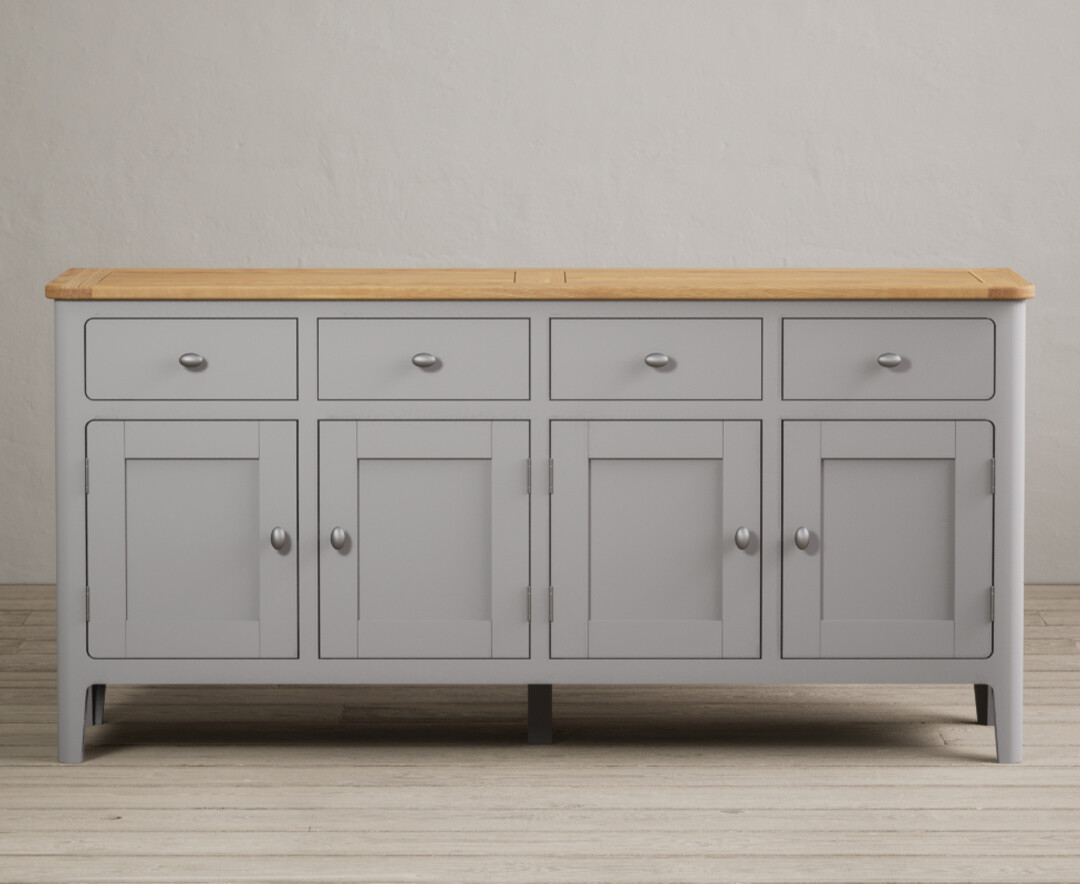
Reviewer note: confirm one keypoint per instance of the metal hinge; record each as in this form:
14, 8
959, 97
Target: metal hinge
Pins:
993, 475
86, 476
528, 476
528, 603
87, 604
551, 476
993, 592
551, 604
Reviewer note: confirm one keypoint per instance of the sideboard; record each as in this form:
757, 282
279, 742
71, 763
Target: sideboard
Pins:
539, 477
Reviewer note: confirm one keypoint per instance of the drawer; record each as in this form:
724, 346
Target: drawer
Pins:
423, 358
856, 359
241, 358
705, 359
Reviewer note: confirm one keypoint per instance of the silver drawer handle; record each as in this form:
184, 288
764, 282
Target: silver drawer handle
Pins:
657, 360
742, 538
802, 537
278, 537
338, 538
192, 360
889, 360
424, 360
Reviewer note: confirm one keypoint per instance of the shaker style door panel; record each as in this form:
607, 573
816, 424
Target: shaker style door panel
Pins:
423, 538
182, 557
655, 539
888, 532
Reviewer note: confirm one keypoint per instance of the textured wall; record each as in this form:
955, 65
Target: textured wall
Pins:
538, 133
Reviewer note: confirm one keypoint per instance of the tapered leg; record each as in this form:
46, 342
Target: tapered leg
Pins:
982, 702
73, 709
540, 713
1006, 714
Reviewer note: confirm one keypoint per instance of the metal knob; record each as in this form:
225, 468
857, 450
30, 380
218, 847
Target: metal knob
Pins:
424, 360
657, 360
889, 360
338, 538
192, 360
742, 538
278, 537
802, 537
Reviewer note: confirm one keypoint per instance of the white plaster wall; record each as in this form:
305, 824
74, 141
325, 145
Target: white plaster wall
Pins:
537, 134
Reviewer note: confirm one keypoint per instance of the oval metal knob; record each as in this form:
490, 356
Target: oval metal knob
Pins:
192, 360
657, 360
338, 538
278, 537
802, 537
424, 360
742, 538
889, 360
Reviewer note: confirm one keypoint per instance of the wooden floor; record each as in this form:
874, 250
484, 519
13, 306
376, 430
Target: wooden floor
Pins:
644, 784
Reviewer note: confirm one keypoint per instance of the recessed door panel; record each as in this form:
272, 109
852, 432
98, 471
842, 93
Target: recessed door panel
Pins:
179, 521
433, 554
888, 530
645, 561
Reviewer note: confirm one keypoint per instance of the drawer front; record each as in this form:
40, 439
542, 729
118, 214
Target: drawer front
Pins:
857, 359
241, 359
392, 358
705, 359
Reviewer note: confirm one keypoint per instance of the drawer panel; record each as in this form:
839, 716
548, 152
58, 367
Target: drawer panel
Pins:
839, 359
374, 358
706, 358
140, 358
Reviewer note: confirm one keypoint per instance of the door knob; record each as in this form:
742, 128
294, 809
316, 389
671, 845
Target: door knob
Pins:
192, 360
889, 360
424, 360
742, 538
338, 538
278, 538
802, 537
657, 360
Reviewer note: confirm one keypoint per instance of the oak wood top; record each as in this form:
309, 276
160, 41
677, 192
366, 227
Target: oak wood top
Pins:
104, 284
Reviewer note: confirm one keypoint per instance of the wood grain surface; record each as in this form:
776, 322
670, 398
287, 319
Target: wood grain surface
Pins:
539, 284
436, 784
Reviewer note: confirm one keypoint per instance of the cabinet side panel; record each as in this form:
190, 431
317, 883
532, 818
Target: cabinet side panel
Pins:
802, 568
974, 532
277, 568
338, 611
509, 538
570, 540
741, 607
105, 539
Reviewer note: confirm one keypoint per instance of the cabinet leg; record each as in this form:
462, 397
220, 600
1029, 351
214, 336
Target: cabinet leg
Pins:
97, 695
1006, 714
982, 702
540, 713
74, 707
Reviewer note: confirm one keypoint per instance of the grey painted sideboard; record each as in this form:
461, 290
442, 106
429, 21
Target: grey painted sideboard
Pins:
711, 479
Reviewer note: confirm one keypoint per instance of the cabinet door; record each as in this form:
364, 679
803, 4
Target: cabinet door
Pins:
644, 559
179, 555
899, 531
432, 522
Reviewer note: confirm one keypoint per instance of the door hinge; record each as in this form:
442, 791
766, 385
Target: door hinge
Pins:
86, 476
993, 593
87, 597
551, 476
551, 604
993, 475
528, 603
528, 476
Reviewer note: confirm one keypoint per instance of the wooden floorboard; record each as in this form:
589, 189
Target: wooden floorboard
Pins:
644, 784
